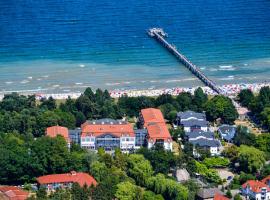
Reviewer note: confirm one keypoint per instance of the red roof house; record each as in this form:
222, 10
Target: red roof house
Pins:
158, 131
54, 181
115, 129
53, 131
255, 186
152, 115
219, 196
13, 193
266, 180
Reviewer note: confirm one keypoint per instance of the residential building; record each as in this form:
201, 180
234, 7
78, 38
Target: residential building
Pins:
149, 116
207, 193
205, 140
214, 146
108, 134
153, 121
53, 131
159, 134
75, 135
13, 193
257, 190
227, 132
55, 181
140, 137
266, 180
191, 121
196, 134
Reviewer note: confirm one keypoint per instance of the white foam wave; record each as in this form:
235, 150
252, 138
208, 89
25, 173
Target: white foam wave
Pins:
78, 83
24, 81
82, 65
226, 68
112, 84
8, 82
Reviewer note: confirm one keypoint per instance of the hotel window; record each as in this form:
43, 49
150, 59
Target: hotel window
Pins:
123, 139
92, 139
83, 140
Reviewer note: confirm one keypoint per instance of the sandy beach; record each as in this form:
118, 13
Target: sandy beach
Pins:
228, 89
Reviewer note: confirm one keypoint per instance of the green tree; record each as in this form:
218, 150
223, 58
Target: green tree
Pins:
139, 168
243, 136
221, 107
200, 98
128, 191
246, 97
250, 158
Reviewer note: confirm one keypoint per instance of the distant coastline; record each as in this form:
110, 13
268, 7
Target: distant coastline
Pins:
230, 89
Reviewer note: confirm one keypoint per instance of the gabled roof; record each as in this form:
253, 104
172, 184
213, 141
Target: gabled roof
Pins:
226, 129
207, 193
53, 131
198, 133
100, 129
14, 193
255, 186
191, 114
72, 177
158, 131
266, 179
194, 122
219, 196
152, 115
202, 142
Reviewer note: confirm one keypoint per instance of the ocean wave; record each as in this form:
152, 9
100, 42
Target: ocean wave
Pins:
227, 78
112, 84
8, 82
226, 68
24, 81
82, 65
78, 83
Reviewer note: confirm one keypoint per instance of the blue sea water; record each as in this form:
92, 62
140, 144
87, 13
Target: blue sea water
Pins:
67, 45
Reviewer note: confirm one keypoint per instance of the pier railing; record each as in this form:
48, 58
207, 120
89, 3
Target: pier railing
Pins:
159, 35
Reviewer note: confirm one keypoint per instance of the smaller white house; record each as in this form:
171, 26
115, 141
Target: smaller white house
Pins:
192, 121
205, 140
254, 189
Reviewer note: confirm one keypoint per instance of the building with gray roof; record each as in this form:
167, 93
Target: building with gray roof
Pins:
227, 132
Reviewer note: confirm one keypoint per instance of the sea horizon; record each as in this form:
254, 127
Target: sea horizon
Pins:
54, 48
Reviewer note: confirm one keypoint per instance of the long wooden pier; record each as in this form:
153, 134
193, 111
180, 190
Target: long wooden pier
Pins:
159, 35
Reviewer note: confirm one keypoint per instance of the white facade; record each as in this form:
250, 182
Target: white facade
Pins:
167, 145
188, 129
88, 142
127, 143
214, 151
263, 195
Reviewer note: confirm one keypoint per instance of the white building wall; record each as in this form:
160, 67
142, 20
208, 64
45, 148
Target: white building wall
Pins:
88, 142
127, 142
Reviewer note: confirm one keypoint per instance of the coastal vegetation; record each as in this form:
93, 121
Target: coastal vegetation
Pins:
26, 153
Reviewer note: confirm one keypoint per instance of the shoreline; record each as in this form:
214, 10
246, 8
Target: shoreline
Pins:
230, 89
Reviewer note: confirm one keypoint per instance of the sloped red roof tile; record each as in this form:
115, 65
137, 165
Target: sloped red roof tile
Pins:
53, 131
73, 177
14, 193
255, 186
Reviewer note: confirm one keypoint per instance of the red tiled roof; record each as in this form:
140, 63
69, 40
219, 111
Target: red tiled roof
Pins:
151, 115
78, 177
53, 131
158, 131
114, 129
220, 197
266, 179
255, 186
14, 193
